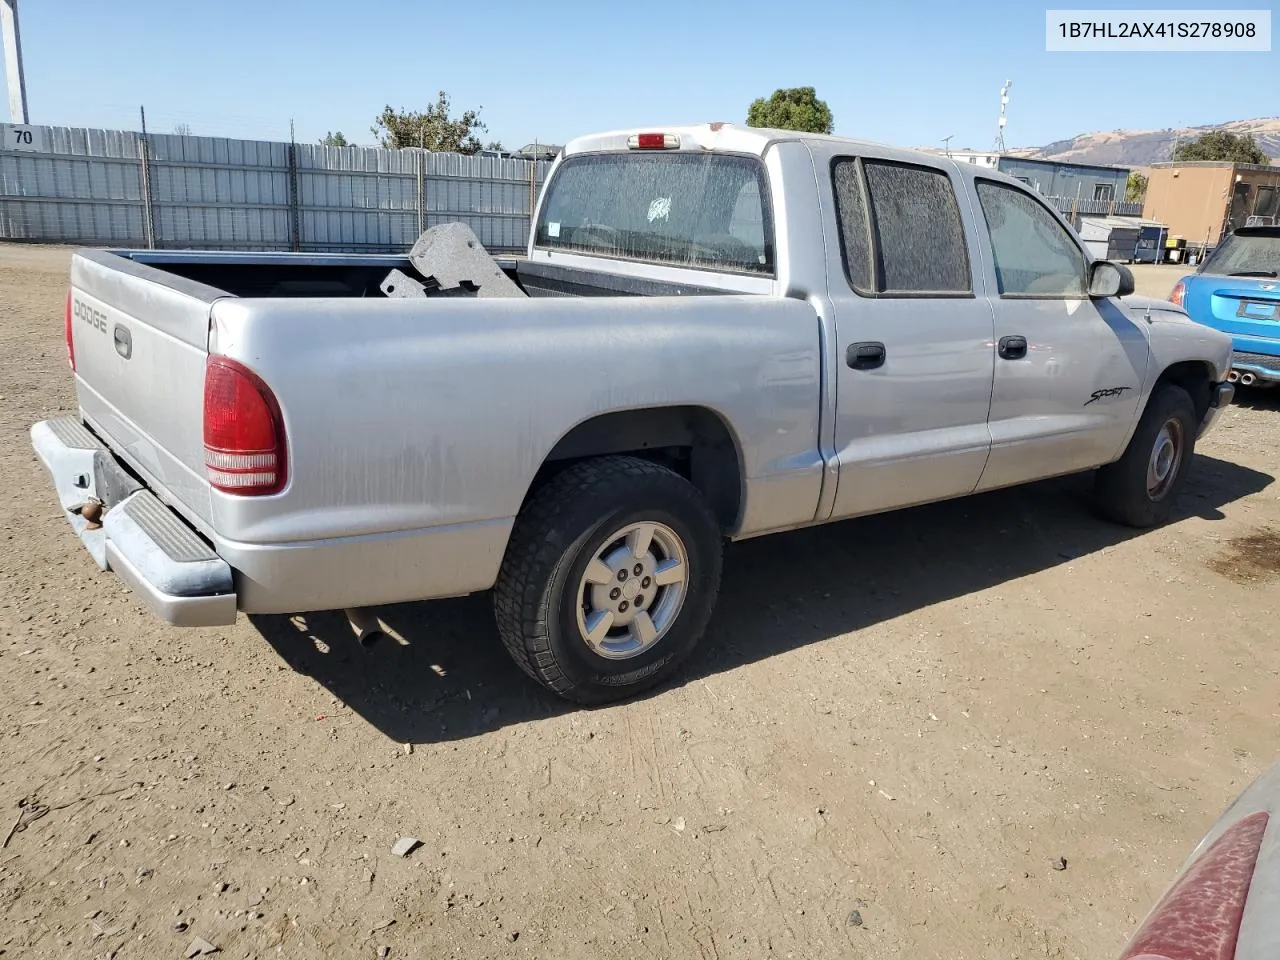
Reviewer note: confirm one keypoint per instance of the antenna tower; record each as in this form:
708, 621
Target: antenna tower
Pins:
1004, 102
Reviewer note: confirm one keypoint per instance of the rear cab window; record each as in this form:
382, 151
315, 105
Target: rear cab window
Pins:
703, 211
1249, 252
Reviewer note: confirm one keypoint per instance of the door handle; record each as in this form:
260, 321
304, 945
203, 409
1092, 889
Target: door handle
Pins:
123, 340
866, 355
1013, 348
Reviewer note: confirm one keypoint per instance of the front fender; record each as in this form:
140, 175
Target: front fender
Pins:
1175, 342
1176, 338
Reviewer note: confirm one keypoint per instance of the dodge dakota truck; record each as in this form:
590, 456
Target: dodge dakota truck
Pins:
719, 332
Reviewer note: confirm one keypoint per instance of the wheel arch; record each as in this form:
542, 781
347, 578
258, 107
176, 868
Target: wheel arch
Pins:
694, 440
1193, 376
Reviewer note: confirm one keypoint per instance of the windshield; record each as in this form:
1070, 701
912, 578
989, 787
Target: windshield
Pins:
707, 211
1248, 254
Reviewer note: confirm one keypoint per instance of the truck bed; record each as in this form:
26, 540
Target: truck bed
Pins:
279, 275
414, 427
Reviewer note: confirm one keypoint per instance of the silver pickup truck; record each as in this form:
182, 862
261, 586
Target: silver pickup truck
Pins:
719, 332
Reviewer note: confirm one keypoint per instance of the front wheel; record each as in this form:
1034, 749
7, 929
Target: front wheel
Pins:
1140, 488
609, 579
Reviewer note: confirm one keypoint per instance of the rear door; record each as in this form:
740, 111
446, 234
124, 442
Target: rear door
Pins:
1069, 369
914, 337
140, 338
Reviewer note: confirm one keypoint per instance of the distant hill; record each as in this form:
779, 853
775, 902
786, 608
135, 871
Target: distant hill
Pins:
1138, 149
1141, 148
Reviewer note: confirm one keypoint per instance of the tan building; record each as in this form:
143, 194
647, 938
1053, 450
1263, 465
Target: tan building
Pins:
1199, 201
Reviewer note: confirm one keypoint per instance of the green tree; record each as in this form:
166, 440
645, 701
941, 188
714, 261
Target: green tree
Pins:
1136, 189
795, 109
1222, 146
495, 145
334, 139
431, 129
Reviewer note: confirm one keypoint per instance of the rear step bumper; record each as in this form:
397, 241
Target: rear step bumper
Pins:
177, 575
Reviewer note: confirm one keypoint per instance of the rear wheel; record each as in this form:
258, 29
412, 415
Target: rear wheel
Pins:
1139, 489
609, 579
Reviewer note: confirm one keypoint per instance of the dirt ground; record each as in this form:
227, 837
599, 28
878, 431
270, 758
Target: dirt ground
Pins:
892, 729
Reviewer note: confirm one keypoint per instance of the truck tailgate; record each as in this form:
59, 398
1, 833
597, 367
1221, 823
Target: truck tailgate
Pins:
140, 338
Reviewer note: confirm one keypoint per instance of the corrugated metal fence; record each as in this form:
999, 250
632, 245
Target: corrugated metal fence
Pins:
117, 188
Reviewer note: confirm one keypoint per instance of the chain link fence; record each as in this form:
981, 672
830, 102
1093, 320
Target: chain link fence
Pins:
118, 188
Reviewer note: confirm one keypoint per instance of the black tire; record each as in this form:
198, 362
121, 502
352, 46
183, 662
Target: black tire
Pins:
558, 533
1121, 489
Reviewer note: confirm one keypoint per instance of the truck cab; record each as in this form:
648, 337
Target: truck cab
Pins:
969, 345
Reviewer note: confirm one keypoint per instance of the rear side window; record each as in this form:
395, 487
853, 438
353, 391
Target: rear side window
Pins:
851, 207
1034, 256
901, 230
705, 211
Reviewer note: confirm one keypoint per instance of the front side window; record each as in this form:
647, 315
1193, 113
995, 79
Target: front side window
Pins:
1034, 256
901, 230
705, 211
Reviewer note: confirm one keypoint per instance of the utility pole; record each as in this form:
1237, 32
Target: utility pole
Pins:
142, 112
13, 62
946, 143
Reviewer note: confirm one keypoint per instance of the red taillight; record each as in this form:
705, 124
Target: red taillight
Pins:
1178, 294
244, 449
71, 346
1199, 918
653, 141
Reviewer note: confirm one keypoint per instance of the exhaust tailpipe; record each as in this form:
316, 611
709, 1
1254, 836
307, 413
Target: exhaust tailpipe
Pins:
1246, 379
1233, 376
365, 625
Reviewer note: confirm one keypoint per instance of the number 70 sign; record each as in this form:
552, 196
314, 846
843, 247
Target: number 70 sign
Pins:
20, 137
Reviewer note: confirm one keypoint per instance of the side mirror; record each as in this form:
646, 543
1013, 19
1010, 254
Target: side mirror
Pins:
1107, 279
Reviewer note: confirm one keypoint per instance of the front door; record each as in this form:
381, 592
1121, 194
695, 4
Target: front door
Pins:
1069, 369
915, 342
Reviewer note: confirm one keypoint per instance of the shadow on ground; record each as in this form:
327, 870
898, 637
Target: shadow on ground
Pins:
1258, 398
447, 677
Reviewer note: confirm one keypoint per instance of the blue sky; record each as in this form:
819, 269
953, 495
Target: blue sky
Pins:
898, 72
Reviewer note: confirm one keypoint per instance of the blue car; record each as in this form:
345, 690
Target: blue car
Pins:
1237, 290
